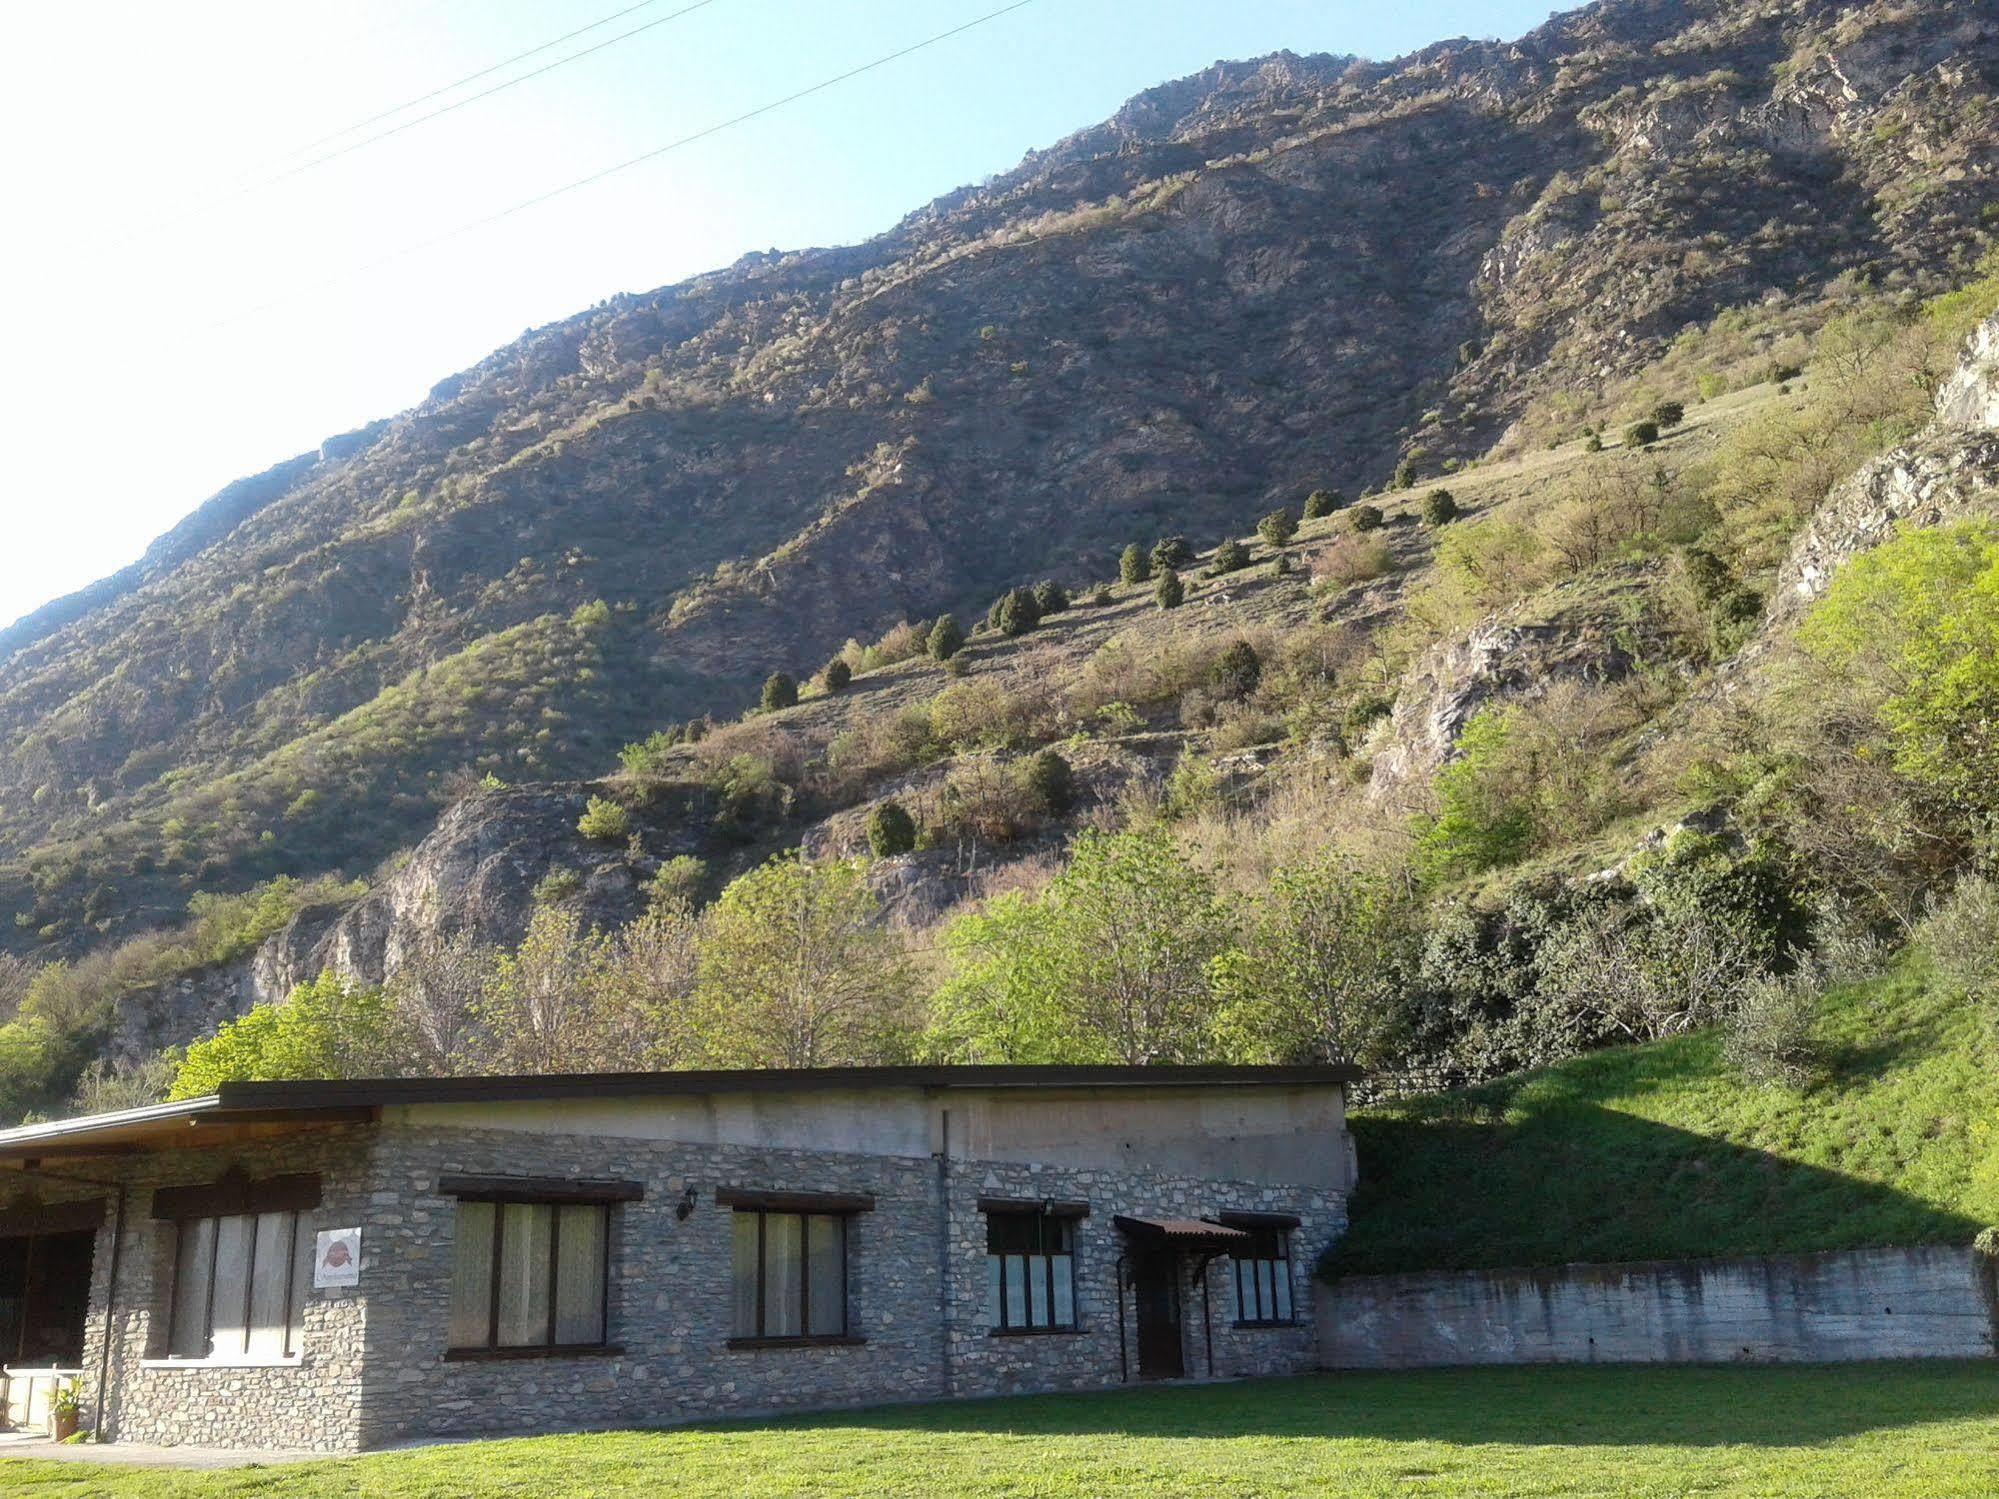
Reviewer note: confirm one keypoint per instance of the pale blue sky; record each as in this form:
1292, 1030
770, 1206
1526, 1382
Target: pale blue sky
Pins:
147, 366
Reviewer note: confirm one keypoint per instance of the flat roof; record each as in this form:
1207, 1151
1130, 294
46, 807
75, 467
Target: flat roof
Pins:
198, 1121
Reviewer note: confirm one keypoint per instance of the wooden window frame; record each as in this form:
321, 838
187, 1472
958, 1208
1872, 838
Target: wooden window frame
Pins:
503, 1193
1063, 1216
1274, 1236
183, 1226
803, 1206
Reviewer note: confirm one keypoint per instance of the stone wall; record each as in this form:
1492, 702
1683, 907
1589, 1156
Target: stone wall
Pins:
371, 1367
1861, 1304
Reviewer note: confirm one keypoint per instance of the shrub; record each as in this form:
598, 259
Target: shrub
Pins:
837, 674
1050, 597
780, 691
676, 881
1278, 527
1365, 518
604, 821
557, 887
1641, 434
1348, 560
1960, 935
1669, 414
1051, 781
1405, 475
1236, 672
1769, 1029
946, 639
1440, 508
1230, 556
1593, 443
1322, 502
1133, 566
1016, 613
1169, 592
1172, 551
891, 830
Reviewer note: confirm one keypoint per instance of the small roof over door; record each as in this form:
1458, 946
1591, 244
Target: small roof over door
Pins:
1183, 1233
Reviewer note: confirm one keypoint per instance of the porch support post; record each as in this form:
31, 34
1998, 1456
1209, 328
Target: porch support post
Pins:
110, 1319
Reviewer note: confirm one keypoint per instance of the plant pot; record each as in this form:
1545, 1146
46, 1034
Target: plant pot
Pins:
62, 1425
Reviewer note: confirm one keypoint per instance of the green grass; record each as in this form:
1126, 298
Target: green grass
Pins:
1659, 1151
1925, 1431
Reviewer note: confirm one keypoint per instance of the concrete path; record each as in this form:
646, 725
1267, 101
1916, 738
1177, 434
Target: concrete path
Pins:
138, 1455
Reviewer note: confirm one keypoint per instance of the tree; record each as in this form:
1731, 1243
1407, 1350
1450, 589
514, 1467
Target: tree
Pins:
433, 1001
329, 1027
1017, 612
1325, 969
1669, 414
1050, 597
604, 821
1133, 566
1169, 592
796, 970
1641, 434
1278, 527
1440, 508
946, 639
1405, 475
1235, 672
542, 1009
1230, 556
837, 674
1322, 502
1109, 964
1171, 552
891, 830
1051, 781
1365, 518
780, 691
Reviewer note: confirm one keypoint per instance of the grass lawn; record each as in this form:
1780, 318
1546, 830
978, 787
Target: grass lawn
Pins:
1925, 1431
1661, 1152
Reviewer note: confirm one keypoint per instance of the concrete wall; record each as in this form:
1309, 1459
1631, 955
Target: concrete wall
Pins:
1862, 1304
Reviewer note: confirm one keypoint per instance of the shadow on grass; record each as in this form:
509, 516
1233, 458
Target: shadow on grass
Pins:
1529, 1407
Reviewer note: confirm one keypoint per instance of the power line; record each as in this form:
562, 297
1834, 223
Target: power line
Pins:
595, 177
250, 188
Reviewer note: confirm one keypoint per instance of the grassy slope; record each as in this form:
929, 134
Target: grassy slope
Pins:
1910, 1430
1658, 1151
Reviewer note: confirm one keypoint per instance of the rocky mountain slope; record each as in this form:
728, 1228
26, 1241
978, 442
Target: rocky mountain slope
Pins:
1250, 283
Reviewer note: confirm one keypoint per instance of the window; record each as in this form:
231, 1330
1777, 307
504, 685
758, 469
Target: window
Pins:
1263, 1279
529, 1275
789, 1275
239, 1286
1030, 1272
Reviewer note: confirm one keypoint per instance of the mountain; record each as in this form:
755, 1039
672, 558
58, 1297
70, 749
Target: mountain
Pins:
1268, 278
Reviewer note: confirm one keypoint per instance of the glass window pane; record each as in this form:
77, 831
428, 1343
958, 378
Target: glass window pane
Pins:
195, 1258
1266, 1292
1037, 1290
784, 1274
302, 1256
472, 1276
993, 1263
233, 1237
1283, 1302
743, 1272
827, 1269
524, 1240
1016, 1290
270, 1284
579, 1276
1065, 1290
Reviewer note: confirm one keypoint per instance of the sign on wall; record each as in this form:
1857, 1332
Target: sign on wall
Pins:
337, 1261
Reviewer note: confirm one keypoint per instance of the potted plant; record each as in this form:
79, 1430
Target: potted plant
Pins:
65, 1410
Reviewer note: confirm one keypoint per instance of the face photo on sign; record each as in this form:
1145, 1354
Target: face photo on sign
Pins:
337, 1257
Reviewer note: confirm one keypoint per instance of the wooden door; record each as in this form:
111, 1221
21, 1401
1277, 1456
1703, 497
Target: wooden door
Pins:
1155, 1280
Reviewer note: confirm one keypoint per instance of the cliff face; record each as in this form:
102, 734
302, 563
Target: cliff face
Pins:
1269, 277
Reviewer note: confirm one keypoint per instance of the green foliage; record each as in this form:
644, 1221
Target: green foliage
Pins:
1278, 527
1236, 672
650, 756
1440, 507
946, 639
326, 1028
1169, 592
1960, 937
1322, 502
837, 674
779, 691
1668, 415
1405, 475
677, 881
1479, 823
604, 821
1133, 566
1017, 612
1050, 780
1915, 625
1365, 518
1768, 1035
1050, 597
891, 830
1641, 434
1230, 556
1171, 552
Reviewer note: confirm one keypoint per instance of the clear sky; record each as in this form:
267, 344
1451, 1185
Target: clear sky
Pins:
159, 345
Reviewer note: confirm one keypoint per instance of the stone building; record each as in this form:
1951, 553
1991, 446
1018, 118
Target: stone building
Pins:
339, 1265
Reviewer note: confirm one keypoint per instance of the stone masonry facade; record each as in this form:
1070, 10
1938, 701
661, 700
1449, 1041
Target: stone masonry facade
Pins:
371, 1368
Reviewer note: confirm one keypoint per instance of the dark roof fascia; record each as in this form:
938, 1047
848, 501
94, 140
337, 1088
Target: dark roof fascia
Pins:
386, 1092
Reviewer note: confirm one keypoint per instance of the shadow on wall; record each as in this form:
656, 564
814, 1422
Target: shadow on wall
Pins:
1575, 1182
1539, 1407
